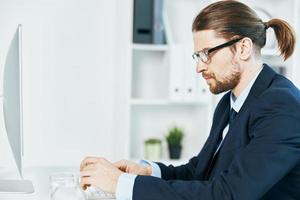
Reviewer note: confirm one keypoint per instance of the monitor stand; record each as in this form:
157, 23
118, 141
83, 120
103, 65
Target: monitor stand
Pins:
16, 187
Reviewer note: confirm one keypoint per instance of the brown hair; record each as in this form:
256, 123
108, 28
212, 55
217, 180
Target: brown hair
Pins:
232, 18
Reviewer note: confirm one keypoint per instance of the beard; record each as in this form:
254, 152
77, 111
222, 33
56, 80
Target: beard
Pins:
228, 83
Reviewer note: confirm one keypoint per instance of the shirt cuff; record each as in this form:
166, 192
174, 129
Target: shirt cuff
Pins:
156, 172
125, 185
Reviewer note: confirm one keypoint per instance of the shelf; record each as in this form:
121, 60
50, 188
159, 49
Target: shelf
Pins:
150, 47
164, 102
149, 102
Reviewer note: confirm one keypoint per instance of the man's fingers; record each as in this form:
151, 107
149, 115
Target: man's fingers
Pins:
120, 164
87, 161
85, 182
90, 167
85, 186
86, 173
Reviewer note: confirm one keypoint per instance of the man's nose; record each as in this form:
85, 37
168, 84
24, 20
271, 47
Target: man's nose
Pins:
201, 67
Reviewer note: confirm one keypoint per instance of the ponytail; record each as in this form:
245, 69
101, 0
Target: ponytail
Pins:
224, 18
285, 36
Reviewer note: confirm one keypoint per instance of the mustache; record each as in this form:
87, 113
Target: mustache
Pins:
207, 75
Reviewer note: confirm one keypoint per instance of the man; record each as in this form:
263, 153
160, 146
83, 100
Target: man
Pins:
253, 150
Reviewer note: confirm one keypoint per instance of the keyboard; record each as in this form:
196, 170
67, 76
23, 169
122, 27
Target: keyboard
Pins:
93, 193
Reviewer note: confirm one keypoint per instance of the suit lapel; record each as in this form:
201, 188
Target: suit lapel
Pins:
221, 123
261, 84
217, 129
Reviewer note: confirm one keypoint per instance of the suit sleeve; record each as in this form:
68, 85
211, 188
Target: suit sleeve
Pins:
274, 150
183, 172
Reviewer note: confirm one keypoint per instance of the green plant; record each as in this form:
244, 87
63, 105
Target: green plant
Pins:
153, 141
175, 136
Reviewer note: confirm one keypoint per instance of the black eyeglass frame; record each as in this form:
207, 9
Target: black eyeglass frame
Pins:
197, 55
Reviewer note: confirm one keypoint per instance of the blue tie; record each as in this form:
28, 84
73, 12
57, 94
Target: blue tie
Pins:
232, 115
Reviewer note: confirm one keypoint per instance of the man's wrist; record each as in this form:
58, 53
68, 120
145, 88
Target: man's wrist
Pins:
154, 169
149, 170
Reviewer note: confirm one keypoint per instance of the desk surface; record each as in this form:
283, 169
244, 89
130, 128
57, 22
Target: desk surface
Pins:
40, 179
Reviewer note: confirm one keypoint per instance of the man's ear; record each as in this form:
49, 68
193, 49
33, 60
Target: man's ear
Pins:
245, 48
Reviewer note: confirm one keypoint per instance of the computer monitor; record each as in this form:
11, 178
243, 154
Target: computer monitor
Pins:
12, 112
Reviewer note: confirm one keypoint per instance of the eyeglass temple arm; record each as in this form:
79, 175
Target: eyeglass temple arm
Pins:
229, 43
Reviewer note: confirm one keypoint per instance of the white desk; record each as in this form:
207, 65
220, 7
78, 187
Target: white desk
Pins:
40, 178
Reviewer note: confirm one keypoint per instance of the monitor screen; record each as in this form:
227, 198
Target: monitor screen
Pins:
13, 115
12, 97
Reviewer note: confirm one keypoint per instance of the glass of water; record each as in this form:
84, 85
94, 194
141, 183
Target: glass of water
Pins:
65, 186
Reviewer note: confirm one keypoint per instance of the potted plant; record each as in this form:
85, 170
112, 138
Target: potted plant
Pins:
174, 139
153, 149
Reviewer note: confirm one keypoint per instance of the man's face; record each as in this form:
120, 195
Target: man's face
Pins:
222, 72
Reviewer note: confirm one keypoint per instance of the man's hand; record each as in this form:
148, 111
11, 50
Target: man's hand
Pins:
133, 168
99, 172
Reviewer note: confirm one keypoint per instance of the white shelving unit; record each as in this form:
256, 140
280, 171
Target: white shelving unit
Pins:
161, 85
150, 47
165, 89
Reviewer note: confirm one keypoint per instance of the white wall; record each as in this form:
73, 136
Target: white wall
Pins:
69, 52
122, 79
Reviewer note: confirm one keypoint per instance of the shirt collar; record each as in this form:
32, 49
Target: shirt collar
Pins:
237, 102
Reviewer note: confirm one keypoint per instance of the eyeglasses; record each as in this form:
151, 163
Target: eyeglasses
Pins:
203, 55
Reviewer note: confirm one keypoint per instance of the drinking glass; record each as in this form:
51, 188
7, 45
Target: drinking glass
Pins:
65, 186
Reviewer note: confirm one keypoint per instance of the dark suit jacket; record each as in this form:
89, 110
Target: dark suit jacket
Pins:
260, 156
